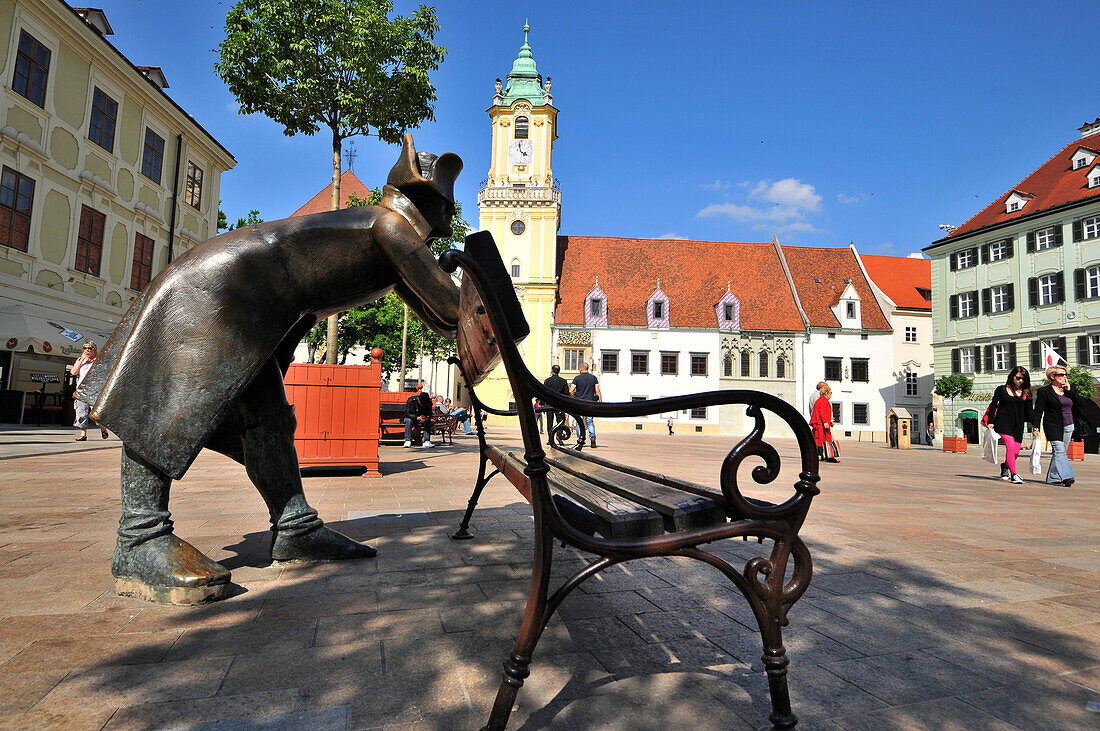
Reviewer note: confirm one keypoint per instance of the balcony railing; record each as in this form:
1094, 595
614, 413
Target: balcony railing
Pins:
505, 194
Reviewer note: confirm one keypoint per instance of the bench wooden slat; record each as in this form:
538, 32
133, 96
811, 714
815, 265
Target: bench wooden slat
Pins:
680, 510
615, 516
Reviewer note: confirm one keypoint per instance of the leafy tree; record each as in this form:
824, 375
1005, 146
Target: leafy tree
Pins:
954, 386
224, 225
1080, 380
344, 64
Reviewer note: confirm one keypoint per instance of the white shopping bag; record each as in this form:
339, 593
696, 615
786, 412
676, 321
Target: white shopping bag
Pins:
1036, 457
989, 446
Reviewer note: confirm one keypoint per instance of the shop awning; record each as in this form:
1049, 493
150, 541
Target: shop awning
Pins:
968, 414
23, 330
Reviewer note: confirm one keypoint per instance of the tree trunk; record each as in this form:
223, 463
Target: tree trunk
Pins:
332, 349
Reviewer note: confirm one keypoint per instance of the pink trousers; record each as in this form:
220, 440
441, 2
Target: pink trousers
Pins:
1012, 450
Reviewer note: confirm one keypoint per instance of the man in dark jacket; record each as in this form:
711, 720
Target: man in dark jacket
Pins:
198, 362
418, 412
557, 384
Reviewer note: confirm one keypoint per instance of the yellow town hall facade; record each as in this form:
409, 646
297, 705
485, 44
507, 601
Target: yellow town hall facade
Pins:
521, 206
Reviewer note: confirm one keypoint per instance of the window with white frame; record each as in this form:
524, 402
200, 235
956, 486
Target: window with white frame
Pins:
964, 259
910, 334
1091, 227
1092, 282
1000, 357
998, 298
910, 384
998, 251
1014, 206
1048, 289
1095, 181
573, 357
966, 360
1094, 349
1044, 239
968, 306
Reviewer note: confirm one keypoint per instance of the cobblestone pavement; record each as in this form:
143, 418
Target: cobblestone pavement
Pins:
942, 598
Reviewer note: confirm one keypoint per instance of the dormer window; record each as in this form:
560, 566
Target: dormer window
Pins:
656, 308
595, 307
851, 309
727, 311
1016, 201
521, 128
1094, 177
1083, 158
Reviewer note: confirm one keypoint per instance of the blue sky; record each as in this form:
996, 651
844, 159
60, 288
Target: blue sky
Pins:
822, 123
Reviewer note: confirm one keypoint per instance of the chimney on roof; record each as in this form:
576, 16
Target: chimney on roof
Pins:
96, 19
1089, 128
154, 74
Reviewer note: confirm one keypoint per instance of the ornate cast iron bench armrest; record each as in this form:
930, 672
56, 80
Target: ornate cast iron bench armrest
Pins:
620, 512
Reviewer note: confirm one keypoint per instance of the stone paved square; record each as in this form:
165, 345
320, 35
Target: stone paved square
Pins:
942, 598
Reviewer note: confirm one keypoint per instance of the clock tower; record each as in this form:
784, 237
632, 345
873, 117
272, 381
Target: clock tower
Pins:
521, 206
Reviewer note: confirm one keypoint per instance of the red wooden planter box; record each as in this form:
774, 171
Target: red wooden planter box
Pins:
337, 411
1076, 450
954, 444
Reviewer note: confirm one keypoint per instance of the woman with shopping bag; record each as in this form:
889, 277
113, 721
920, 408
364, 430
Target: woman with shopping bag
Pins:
1059, 409
1005, 417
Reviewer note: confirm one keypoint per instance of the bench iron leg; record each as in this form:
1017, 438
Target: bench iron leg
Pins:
462, 533
775, 664
534, 620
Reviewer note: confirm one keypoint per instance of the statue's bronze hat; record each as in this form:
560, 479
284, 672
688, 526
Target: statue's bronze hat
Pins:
418, 173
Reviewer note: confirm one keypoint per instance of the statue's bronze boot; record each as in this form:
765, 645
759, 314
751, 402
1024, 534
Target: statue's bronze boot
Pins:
297, 532
149, 561
168, 570
320, 544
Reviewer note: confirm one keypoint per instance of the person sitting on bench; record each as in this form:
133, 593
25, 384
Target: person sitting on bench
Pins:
418, 411
460, 414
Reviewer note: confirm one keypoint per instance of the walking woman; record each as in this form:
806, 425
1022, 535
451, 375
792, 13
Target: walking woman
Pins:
821, 421
80, 369
1007, 412
1058, 408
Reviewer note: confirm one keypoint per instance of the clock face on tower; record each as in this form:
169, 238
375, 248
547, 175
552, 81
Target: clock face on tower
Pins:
519, 151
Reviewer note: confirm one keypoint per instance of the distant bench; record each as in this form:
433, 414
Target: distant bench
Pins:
619, 512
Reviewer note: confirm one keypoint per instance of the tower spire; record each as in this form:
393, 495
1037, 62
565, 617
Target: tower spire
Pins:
524, 80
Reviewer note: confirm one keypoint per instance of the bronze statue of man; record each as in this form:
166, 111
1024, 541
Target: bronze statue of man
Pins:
199, 358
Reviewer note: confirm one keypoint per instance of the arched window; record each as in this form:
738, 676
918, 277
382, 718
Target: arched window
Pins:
763, 364
521, 128
780, 367
745, 364
727, 366
515, 267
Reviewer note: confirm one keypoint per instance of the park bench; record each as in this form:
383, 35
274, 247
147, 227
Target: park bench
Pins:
619, 512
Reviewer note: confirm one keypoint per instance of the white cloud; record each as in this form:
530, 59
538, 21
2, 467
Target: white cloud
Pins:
788, 193
716, 185
779, 205
848, 200
672, 235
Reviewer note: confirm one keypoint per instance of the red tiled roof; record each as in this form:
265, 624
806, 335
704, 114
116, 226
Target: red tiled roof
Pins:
900, 277
349, 184
832, 267
693, 275
1053, 184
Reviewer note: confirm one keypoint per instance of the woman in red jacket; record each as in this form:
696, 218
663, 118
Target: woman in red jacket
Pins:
821, 421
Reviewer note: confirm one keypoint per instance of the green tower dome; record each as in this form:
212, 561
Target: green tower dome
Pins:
524, 81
